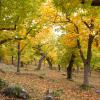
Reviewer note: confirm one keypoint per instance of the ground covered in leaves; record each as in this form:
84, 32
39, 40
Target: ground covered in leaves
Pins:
38, 82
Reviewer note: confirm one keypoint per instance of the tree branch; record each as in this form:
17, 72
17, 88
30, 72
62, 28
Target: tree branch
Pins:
86, 24
78, 41
11, 28
9, 39
90, 26
28, 32
81, 53
4, 41
23, 47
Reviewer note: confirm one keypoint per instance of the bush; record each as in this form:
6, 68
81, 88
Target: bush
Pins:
17, 92
58, 92
3, 84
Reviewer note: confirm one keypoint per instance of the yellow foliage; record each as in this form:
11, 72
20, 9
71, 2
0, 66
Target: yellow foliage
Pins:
52, 54
22, 32
48, 13
43, 35
69, 39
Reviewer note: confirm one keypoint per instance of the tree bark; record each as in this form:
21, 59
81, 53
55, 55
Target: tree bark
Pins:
0, 59
41, 61
70, 66
88, 61
35, 64
12, 59
44, 62
86, 75
78, 69
59, 67
49, 62
21, 63
18, 54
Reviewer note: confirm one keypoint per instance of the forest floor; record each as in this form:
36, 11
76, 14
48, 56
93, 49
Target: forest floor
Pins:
38, 82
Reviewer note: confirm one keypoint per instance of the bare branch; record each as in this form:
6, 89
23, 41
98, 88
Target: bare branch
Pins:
90, 26
28, 32
23, 47
81, 53
86, 24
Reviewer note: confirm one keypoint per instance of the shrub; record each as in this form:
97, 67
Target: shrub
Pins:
58, 92
17, 92
3, 84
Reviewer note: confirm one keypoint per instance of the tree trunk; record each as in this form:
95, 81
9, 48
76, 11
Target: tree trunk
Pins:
0, 59
40, 61
35, 64
78, 68
86, 75
49, 62
69, 68
44, 62
21, 63
88, 61
12, 59
59, 67
18, 53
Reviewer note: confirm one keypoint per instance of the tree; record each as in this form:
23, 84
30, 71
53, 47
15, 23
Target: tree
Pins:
70, 54
75, 7
69, 68
16, 15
